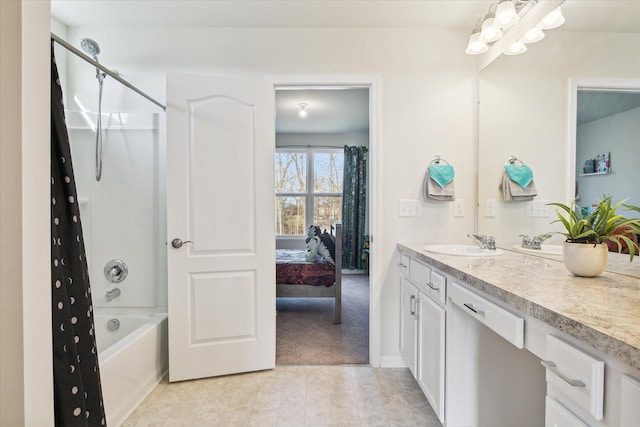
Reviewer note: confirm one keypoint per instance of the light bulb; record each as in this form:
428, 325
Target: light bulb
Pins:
552, 20
476, 45
516, 49
302, 112
533, 35
490, 32
506, 14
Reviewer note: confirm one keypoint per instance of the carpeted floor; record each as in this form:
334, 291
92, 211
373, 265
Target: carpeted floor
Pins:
306, 334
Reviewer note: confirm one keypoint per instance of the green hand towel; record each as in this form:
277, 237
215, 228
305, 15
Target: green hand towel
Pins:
441, 174
522, 175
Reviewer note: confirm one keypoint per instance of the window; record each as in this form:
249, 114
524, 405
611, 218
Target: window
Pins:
308, 189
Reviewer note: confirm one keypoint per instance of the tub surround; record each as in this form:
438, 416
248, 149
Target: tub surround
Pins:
603, 312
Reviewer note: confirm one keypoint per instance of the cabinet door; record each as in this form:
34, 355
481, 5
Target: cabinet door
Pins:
431, 345
408, 323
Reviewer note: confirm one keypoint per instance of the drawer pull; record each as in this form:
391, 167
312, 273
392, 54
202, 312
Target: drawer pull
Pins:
472, 308
432, 286
412, 300
552, 367
402, 265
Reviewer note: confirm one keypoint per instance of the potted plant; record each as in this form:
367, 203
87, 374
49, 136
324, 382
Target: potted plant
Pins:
585, 251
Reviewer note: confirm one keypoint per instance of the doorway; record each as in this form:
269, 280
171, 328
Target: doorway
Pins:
313, 125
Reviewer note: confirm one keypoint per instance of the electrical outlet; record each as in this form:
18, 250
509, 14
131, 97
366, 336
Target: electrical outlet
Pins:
458, 208
408, 208
490, 208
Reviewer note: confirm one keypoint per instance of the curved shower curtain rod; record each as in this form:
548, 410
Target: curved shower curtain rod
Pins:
110, 73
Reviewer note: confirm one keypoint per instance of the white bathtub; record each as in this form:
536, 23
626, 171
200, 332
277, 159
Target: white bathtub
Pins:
133, 359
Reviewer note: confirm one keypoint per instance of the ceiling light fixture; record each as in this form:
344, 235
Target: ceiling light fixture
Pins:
302, 112
501, 17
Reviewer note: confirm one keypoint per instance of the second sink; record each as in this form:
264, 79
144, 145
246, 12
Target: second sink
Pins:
462, 250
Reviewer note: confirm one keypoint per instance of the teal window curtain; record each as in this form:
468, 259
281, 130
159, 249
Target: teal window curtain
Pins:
354, 207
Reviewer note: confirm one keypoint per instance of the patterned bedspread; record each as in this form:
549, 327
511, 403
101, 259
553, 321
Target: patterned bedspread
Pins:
292, 268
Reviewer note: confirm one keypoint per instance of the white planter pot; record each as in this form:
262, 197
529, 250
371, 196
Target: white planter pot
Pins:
585, 260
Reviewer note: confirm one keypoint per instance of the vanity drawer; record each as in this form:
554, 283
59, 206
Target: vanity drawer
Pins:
556, 415
430, 282
418, 272
576, 374
501, 321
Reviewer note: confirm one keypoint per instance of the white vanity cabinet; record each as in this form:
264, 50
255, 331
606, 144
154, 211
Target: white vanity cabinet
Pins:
422, 336
409, 323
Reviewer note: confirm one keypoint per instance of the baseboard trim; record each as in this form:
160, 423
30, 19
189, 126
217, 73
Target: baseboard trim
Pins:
392, 362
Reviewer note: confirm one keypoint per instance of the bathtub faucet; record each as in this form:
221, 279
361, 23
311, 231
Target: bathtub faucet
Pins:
112, 294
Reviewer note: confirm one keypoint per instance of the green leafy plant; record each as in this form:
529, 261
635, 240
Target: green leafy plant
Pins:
600, 226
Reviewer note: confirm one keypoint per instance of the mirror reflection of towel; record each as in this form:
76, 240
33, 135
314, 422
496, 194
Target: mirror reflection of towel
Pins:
433, 191
512, 191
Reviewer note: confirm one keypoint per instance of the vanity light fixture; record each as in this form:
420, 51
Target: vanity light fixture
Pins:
490, 32
302, 112
533, 35
476, 44
553, 20
502, 16
506, 14
516, 49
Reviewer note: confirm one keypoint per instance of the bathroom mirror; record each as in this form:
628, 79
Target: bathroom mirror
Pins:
525, 110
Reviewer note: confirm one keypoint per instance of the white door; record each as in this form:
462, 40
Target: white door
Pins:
220, 204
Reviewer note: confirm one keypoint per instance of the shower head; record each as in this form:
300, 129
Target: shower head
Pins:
91, 47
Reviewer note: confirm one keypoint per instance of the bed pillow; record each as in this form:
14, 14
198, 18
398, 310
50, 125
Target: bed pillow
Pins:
313, 245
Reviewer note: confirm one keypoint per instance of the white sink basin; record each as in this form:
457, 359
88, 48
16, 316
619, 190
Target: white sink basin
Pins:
545, 250
462, 250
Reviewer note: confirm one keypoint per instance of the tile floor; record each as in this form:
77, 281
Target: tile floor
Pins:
291, 396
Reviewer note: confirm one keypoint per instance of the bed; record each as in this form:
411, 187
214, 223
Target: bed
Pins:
298, 278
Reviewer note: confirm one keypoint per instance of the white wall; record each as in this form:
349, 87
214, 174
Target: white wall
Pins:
121, 215
427, 108
525, 111
617, 134
26, 392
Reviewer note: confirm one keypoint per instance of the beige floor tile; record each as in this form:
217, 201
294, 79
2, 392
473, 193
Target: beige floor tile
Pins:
290, 396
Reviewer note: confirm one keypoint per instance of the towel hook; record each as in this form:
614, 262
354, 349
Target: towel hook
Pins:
512, 159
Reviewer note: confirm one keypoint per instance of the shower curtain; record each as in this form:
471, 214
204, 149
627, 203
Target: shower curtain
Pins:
76, 375
354, 207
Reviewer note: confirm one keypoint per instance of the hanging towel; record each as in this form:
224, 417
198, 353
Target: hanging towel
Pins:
522, 175
512, 189
434, 190
441, 174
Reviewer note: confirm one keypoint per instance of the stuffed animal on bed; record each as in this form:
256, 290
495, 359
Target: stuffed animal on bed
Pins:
320, 244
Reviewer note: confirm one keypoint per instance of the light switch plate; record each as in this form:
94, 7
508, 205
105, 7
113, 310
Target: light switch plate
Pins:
408, 208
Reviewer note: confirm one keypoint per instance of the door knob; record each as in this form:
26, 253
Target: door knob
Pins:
177, 243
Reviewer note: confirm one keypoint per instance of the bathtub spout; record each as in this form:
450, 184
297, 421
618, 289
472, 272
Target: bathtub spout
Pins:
112, 294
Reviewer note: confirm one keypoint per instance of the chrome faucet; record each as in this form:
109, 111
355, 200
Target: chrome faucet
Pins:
112, 294
534, 242
484, 241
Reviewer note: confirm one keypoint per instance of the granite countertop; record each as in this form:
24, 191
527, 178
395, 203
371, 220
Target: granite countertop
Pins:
603, 312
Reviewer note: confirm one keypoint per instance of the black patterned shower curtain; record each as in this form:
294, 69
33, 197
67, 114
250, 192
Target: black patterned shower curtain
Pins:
76, 375
354, 207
